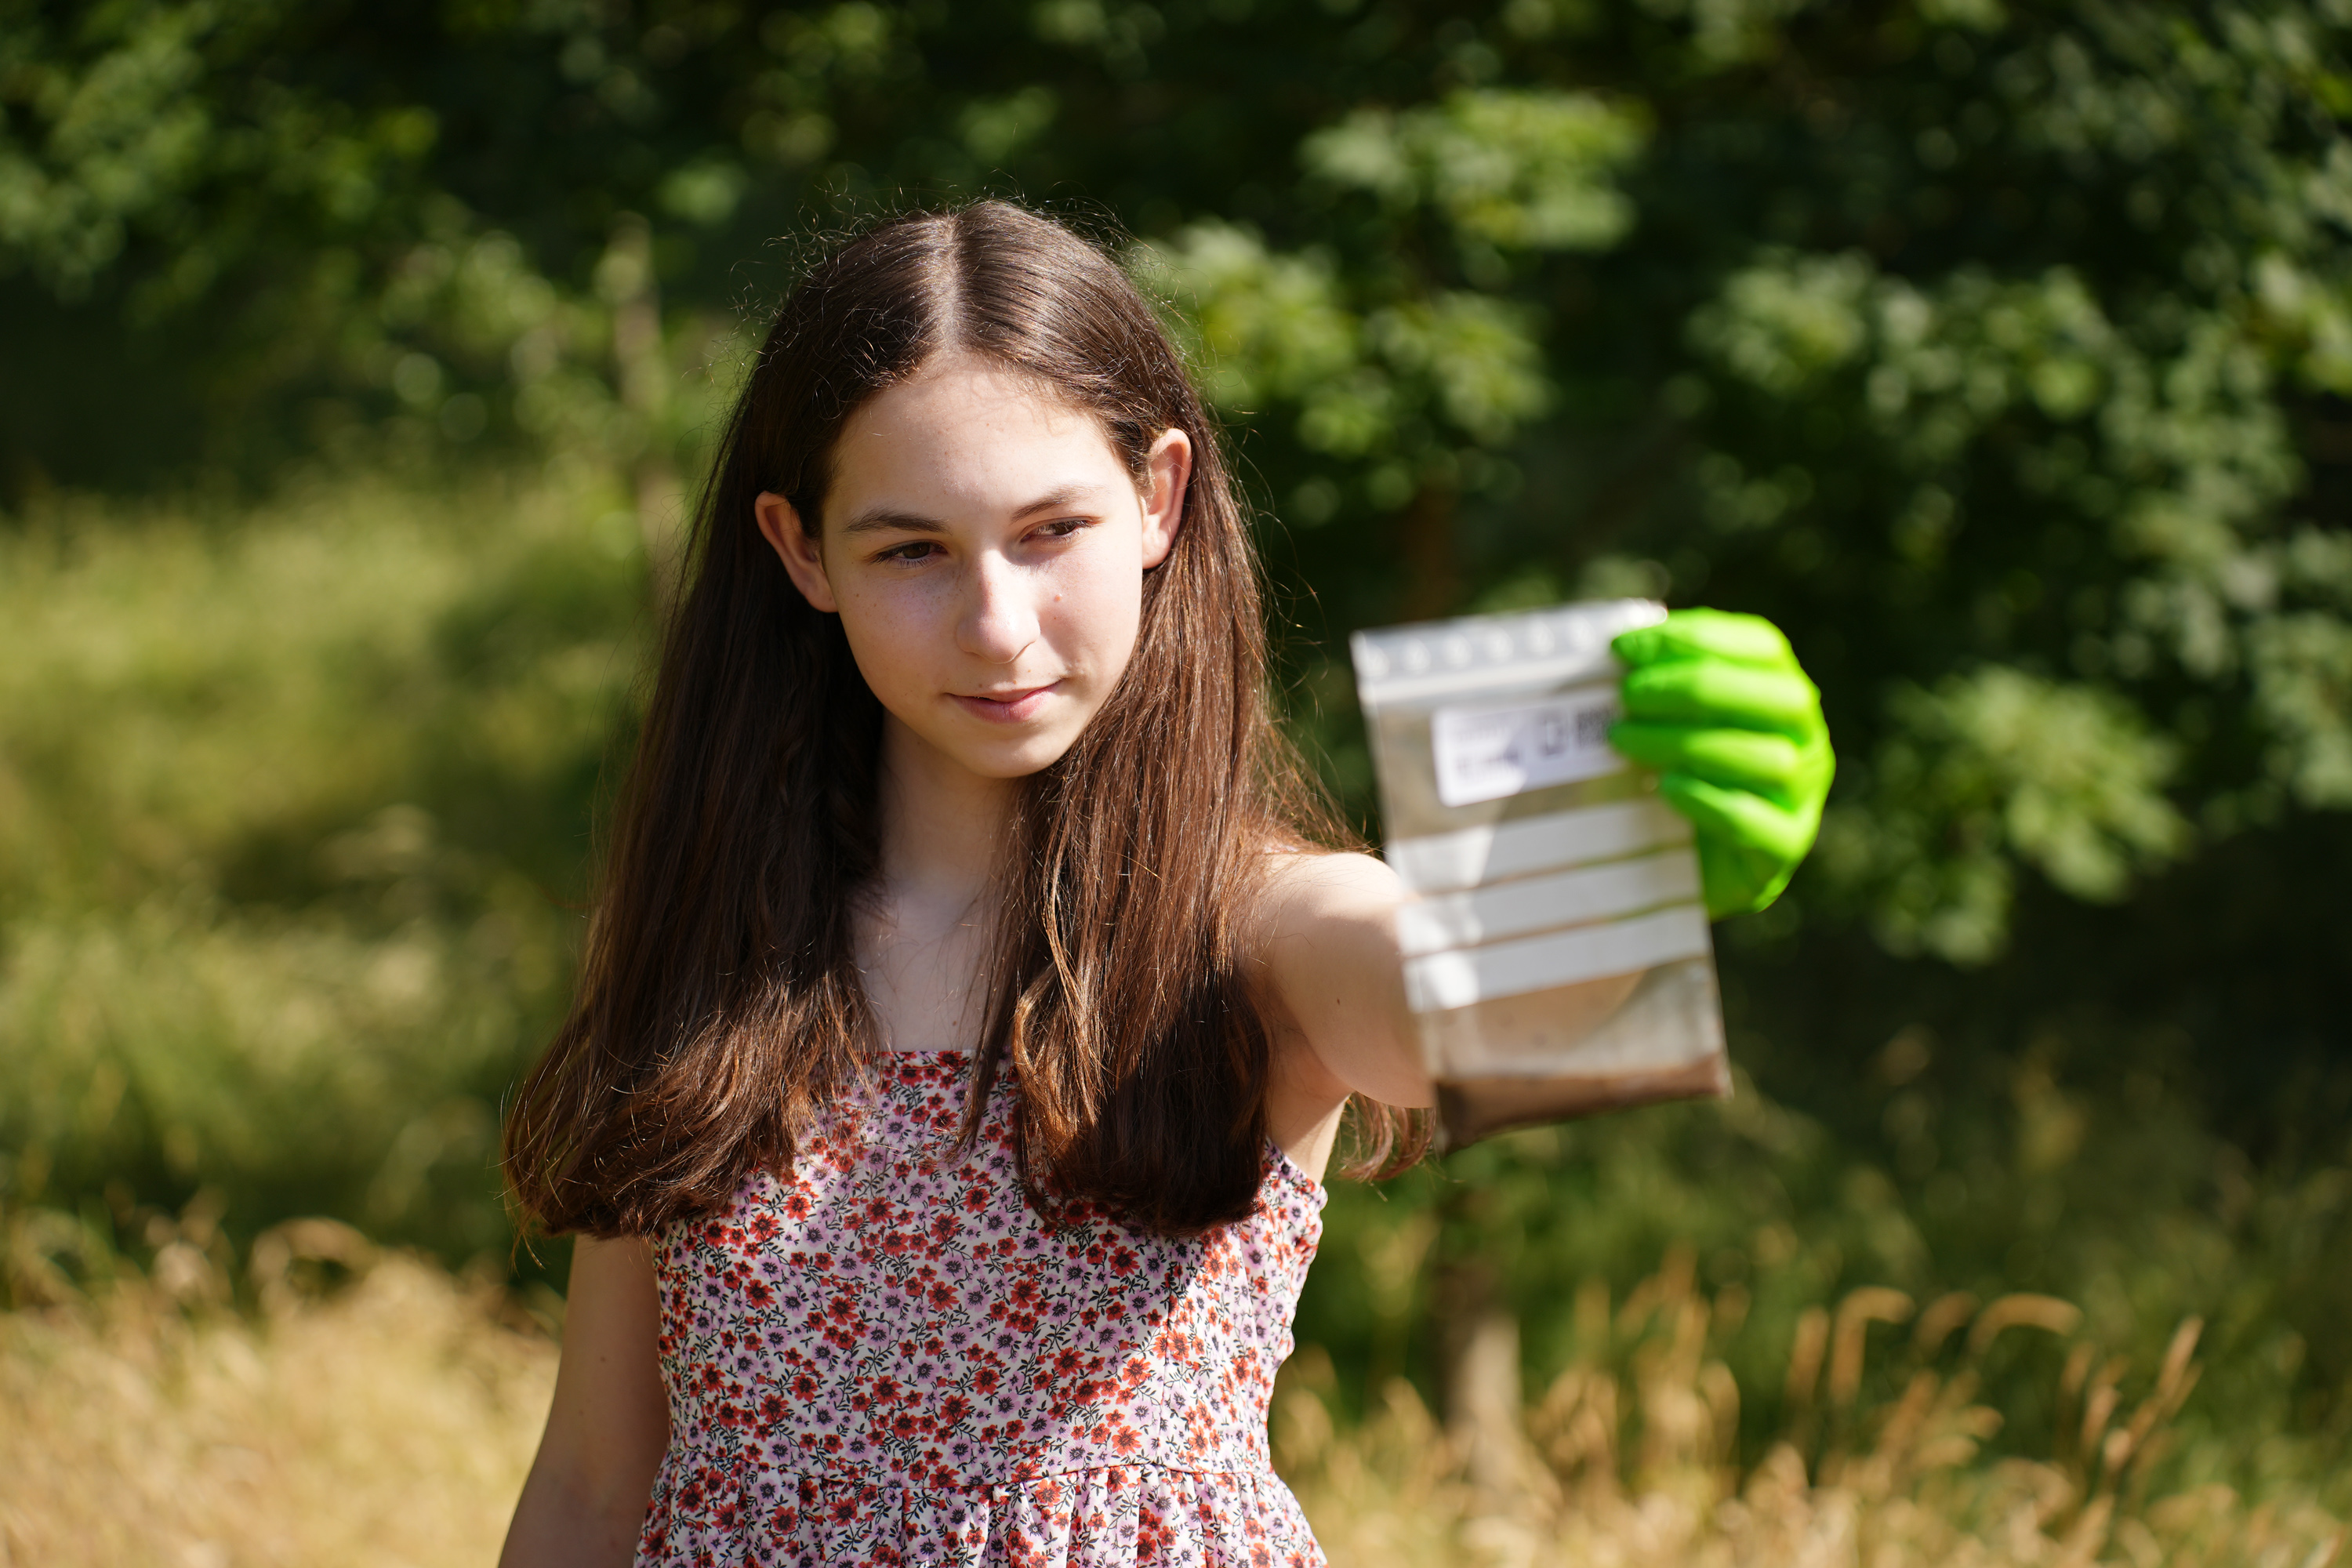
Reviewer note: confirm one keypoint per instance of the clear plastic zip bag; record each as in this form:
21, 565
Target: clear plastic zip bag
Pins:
1556, 952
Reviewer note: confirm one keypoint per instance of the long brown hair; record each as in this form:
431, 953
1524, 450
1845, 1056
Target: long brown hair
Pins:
718, 1011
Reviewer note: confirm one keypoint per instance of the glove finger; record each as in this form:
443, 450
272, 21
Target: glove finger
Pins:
1747, 760
1736, 816
1702, 633
1708, 691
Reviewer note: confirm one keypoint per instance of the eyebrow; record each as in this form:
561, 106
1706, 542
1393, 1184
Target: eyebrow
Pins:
881, 520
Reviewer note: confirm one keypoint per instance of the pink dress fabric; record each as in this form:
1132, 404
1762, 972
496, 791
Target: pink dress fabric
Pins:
886, 1356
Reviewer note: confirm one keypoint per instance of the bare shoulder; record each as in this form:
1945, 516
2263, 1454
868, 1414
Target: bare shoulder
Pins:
1339, 867
1305, 889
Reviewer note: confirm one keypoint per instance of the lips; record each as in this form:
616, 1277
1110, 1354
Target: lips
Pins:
1013, 705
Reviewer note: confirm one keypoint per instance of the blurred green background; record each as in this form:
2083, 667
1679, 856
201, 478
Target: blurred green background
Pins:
355, 359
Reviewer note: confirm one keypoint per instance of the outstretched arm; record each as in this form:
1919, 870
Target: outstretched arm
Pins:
1715, 702
1323, 938
584, 1500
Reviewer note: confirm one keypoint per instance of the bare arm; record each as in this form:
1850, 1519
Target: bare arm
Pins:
1323, 939
584, 1500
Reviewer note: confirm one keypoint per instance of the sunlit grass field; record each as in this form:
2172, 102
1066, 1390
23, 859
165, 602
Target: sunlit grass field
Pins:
296, 800
386, 1417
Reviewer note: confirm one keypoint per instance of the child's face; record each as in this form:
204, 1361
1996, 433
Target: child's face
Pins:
984, 548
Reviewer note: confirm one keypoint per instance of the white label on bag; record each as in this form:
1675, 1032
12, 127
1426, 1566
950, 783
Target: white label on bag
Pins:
1493, 749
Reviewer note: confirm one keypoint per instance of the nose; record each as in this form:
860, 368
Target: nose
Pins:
999, 619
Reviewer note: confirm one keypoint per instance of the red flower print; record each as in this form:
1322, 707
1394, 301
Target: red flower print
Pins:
883, 1356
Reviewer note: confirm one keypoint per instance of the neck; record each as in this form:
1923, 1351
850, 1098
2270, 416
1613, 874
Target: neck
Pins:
941, 826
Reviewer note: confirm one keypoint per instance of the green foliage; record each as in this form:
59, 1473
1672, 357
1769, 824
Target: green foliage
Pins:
1508, 170
1998, 767
122, 129
295, 808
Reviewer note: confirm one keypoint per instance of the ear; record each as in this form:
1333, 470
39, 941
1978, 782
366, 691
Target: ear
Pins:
1169, 468
780, 525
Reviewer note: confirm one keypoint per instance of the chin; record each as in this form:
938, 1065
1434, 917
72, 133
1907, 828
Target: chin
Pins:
1016, 762
1015, 756
991, 750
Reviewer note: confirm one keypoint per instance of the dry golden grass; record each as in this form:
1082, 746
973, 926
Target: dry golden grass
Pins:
389, 1420
1632, 1468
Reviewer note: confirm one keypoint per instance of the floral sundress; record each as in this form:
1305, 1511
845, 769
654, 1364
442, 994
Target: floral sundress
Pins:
885, 1356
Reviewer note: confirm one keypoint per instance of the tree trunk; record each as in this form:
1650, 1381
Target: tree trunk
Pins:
1478, 1346
1426, 548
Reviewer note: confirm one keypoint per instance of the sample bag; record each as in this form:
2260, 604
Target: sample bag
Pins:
1556, 952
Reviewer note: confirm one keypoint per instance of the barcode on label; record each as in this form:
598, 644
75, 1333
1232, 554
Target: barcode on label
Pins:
1490, 751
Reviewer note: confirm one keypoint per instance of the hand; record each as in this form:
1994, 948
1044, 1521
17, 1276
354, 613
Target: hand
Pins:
1716, 703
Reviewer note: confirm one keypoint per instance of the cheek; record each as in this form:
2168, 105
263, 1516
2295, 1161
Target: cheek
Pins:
1094, 608
894, 637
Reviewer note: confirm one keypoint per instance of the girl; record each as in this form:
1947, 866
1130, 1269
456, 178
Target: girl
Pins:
976, 990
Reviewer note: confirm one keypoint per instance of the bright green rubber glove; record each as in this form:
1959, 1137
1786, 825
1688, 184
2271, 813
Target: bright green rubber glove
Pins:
1717, 705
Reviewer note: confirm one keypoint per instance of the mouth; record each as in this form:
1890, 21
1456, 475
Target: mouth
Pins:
1013, 705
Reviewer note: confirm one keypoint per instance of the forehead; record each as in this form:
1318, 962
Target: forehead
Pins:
967, 433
